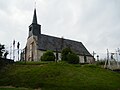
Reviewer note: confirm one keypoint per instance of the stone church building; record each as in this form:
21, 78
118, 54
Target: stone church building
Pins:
38, 43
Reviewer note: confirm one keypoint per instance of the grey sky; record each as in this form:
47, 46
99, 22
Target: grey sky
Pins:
95, 23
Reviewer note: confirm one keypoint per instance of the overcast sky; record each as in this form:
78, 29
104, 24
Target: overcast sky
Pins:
95, 23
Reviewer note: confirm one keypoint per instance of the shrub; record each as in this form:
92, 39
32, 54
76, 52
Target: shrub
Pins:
72, 58
69, 56
64, 53
2, 47
100, 62
48, 56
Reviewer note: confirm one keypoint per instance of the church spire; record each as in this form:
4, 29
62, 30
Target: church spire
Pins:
34, 17
34, 28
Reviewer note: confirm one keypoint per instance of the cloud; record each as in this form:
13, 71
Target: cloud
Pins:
96, 23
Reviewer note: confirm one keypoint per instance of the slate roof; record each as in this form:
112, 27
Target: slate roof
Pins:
46, 42
34, 17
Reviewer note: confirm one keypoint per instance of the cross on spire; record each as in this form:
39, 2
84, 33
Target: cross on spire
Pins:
34, 15
35, 4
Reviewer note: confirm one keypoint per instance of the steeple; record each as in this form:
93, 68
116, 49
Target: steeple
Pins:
34, 28
34, 17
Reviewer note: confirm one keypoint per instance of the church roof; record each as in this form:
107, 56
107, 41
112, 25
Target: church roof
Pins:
34, 17
46, 42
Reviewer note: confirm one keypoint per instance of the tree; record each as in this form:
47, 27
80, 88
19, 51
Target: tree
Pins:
69, 56
5, 54
2, 47
73, 58
48, 56
64, 53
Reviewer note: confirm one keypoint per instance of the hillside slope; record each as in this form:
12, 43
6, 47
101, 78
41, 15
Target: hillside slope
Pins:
60, 76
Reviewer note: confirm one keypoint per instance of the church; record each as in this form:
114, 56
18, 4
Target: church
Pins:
38, 43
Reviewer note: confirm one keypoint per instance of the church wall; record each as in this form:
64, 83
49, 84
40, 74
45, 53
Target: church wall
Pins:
40, 53
81, 59
28, 49
31, 54
59, 56
35, 58
90, 59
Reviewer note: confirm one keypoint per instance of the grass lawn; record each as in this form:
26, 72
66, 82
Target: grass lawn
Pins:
59, 76
12, 88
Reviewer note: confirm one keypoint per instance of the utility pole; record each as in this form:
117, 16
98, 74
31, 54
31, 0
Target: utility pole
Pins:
10, 51
18, 45
119, 57
106, 62
14, 50
117, 54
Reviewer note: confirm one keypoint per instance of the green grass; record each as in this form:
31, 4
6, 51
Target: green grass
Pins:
14, 89
59, 76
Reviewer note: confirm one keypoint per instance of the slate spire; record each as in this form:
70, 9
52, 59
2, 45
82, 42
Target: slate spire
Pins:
34, 17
